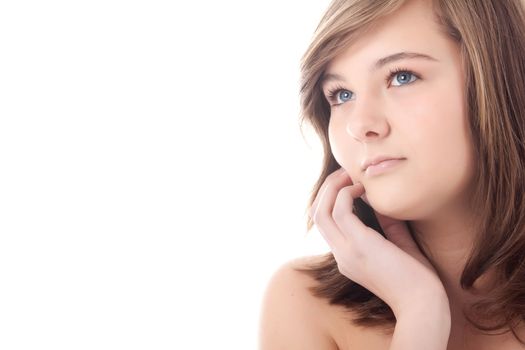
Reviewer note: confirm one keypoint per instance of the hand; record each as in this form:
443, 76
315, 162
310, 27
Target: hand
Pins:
394, 268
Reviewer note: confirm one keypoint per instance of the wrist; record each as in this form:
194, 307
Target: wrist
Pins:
433, 305
433, 315
422, 328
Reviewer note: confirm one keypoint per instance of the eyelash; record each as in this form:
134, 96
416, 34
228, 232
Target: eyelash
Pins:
332, 93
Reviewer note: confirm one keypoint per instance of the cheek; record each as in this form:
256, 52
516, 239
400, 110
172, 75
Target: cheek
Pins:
440, 162
436, 139
344, 148
447, 142
439, 127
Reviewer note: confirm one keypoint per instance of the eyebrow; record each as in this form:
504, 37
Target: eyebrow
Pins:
380, 63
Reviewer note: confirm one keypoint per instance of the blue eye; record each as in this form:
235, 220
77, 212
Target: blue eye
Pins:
403, 74
343, 95
339, 95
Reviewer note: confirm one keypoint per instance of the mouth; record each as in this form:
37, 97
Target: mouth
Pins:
383, 166
376, 160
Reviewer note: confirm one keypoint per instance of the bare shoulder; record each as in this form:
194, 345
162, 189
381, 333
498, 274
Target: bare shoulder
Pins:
293, 318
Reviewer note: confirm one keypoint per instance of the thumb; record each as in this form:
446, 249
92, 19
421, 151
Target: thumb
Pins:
397, 232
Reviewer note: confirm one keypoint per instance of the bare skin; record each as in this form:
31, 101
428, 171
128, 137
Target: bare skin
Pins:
292, 318
418, 114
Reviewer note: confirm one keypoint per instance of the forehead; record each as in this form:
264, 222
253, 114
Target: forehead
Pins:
412, 28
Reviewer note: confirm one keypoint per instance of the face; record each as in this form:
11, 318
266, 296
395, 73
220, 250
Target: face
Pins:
418, 113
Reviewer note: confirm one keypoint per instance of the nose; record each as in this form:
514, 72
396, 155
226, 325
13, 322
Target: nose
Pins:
367, 121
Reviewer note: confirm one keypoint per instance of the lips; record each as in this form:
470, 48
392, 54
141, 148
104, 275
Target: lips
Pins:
382, 167
377, 160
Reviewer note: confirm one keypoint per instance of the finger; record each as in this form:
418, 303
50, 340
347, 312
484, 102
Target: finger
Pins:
397, 232
332, 238
347, 222
326, 226
323, 212
329, 178
365, 199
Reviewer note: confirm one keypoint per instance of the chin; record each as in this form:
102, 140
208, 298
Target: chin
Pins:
391, 208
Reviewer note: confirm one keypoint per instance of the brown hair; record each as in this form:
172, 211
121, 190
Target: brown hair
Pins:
491, 38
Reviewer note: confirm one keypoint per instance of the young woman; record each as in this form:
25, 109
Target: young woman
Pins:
420, 105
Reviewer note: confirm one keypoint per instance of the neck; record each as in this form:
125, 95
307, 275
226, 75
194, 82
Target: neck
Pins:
448, 242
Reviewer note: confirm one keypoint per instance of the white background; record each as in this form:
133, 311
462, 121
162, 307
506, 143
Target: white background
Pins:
153, 174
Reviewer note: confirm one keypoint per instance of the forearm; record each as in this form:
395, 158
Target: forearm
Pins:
425, 327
